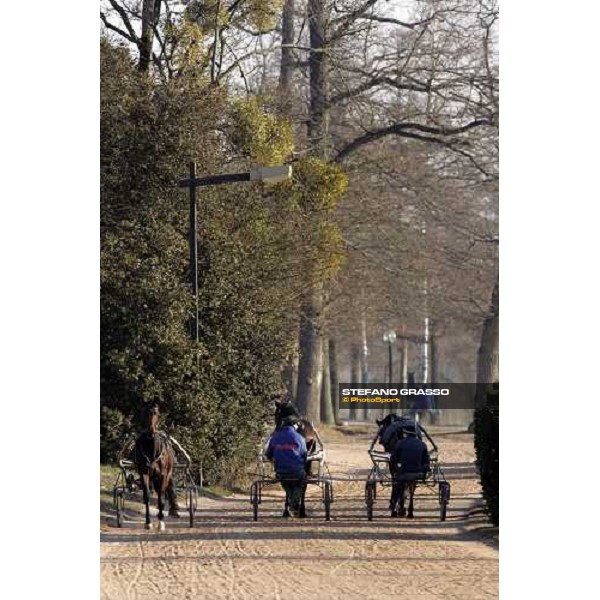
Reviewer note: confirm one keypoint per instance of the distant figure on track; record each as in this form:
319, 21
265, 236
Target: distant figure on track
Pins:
287, 450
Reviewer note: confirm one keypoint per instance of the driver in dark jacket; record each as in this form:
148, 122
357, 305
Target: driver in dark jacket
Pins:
409, 460
287, 450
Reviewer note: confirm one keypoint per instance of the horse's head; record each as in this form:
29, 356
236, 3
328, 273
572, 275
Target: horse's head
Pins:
387, 421
388, 431
150, 414
307, 431
284, 409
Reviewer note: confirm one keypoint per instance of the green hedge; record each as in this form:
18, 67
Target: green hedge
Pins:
258, 249
114, 429
488, 451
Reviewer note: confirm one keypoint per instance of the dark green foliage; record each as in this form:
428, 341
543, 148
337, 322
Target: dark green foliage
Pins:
488, 451
214, 393
114, 427
147, 134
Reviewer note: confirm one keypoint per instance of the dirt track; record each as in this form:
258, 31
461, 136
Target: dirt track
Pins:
227, 555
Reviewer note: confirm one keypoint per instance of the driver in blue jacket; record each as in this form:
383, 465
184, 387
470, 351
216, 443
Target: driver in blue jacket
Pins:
287, 450
409, 459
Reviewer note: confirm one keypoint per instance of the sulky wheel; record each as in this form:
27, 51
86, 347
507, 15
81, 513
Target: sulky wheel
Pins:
119, 505
370, 493
327, 499
254, 500
192, 500
444, 499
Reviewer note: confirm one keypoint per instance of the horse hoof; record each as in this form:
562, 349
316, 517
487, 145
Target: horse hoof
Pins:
161, 525
148, 526
410, 516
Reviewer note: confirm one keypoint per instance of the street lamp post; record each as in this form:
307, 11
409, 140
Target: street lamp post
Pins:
264, 174
425, 350
194, 248
390, 337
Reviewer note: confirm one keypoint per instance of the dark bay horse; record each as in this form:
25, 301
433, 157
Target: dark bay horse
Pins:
392, 429
154, 460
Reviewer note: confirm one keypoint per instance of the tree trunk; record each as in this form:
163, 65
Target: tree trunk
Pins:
285, 88
294, 373
326, 404
310, 363
404, 358
433, 346
355, 376
286, 71
288, 375
217, 38
317, 63
334, 380
150, 16
488, 356
404, 362
362, 412
425, 372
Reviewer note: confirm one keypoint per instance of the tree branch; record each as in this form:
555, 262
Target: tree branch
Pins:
116, 29
396, 21
123, 14
374, 82
404, 130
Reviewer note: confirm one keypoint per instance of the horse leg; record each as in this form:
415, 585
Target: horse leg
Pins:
302, 509
396, 499
160, 492
396, 491
172, 498
401, 499
411, 490
286, 508
146, 494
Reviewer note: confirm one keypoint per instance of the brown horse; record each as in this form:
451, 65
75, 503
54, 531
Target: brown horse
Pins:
154, 460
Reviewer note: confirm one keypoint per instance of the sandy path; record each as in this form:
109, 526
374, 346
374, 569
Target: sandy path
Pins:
227, 555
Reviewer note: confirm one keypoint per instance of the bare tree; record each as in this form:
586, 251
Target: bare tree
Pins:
405, 97
488, 356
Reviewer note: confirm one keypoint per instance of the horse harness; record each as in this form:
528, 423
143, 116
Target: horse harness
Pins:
159, 441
